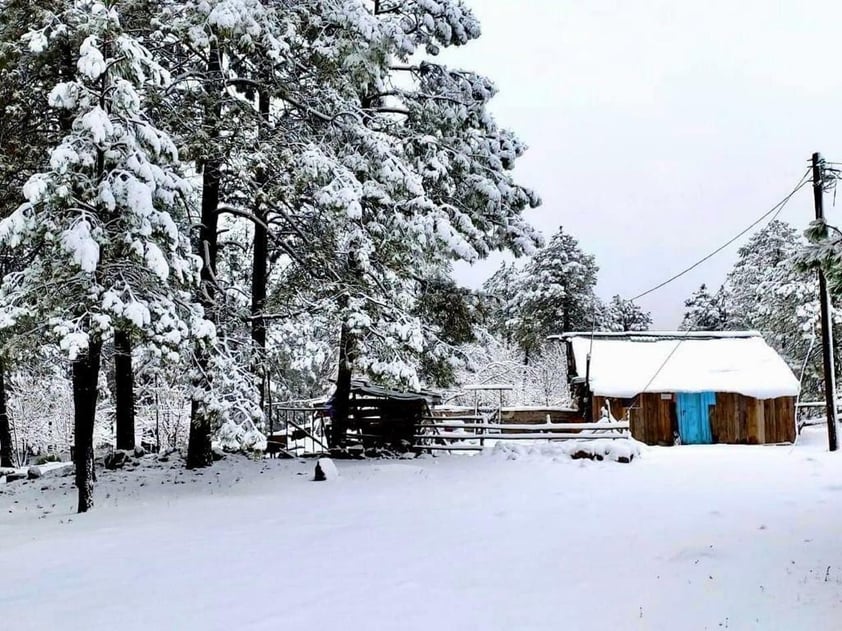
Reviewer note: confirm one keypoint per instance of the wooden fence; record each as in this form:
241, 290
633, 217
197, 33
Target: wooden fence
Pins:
301, 431
469, 432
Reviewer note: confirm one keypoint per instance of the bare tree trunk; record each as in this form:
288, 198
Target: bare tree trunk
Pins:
5, 428
85, 378
124, 389
199, 453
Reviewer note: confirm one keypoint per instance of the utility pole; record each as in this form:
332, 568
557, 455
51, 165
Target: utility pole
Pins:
827, 327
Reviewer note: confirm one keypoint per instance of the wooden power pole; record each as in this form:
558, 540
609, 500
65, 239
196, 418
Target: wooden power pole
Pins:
827, 326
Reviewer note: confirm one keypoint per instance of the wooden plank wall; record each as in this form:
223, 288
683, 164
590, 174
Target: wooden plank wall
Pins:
652, 418
389, 422
735, 419
730, 417
779, 420
618, 409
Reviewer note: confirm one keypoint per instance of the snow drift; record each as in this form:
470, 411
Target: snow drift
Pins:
616, 449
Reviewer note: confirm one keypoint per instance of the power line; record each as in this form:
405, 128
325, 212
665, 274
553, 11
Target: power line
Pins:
663, 365
775, 211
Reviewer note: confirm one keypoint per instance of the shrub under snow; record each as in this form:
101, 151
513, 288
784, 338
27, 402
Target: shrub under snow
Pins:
235, 437
615, 449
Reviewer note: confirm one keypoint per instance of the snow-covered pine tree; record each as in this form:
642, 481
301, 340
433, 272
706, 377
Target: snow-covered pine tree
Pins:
624, 315
461, 202
823, 248
27, 129
705, 311
229, 55
770, 292
500, 291
368, 186
454, 313
97, 229
555, 293
761, 267
24, 119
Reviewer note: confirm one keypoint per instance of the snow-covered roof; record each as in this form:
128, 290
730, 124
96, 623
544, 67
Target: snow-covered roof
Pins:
627, 364
360, 386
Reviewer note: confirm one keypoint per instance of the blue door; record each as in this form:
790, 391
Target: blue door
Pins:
693, 409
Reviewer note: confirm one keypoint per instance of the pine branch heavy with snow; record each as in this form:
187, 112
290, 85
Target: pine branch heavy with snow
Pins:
98, 226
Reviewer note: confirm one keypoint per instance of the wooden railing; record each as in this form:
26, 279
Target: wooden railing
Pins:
469, 433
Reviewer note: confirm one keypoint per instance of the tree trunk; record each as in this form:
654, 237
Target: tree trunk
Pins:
259, 265
199, 452
124, 389
85, 378
5, 428
342, 395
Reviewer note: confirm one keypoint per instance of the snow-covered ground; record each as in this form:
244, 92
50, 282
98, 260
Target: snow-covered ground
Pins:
682, 538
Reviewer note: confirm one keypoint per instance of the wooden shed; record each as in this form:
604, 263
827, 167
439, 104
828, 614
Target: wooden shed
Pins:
384, 418
687, 387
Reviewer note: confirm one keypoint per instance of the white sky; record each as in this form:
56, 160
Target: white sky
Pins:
658, 129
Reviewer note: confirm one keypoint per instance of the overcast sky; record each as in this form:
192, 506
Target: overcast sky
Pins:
659, 129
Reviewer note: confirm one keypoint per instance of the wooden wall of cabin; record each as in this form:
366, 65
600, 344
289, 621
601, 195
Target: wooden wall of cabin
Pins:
735, 419
651, 416
779, 420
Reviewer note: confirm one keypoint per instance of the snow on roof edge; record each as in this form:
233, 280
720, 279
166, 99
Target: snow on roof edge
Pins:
712, 335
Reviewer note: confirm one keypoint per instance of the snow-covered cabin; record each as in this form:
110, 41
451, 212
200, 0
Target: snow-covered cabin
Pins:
696, 387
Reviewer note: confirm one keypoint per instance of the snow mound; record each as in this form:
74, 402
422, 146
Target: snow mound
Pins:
617, 450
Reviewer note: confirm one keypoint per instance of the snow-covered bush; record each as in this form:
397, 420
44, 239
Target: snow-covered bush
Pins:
245, 437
